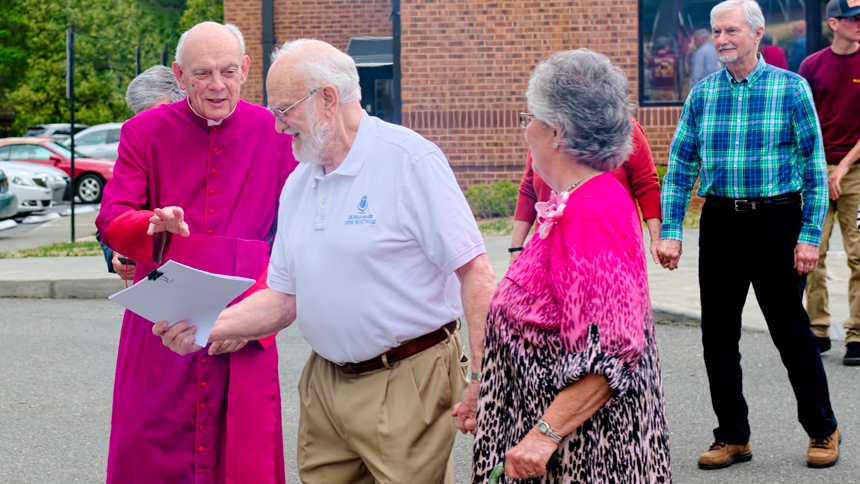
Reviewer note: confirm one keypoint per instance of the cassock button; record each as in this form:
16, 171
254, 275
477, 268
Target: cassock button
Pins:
214, 129
202, 428
204, 361
211, 211
214, 171
210, 232
202, 405
211, 192
203, 384
200, 470
215, 150
201, 448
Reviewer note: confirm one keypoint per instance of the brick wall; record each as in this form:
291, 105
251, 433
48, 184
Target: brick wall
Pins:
334, 21
466, 65
246, 15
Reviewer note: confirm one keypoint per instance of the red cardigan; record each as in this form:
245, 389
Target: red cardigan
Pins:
637, 175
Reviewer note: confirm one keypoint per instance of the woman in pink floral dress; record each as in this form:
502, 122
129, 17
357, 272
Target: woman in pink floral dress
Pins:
570, 362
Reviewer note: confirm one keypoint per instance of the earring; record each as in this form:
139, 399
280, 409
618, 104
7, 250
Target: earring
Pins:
555, 146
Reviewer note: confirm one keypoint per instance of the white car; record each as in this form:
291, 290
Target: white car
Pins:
31, 189
99, 141
58, 180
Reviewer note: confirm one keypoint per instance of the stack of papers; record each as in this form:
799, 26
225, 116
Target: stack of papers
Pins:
175, 292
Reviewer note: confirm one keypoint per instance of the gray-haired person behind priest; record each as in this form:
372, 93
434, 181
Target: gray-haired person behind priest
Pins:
377, 254
570, 361
150, 89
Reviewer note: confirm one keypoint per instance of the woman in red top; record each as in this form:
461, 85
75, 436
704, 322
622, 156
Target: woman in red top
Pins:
637, 175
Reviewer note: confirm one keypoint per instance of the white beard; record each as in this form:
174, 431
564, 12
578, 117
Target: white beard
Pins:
316, 138
726, 58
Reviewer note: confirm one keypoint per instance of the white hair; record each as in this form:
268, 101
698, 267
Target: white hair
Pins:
752, 13
330, 67
152, 86
180, 47
587, 96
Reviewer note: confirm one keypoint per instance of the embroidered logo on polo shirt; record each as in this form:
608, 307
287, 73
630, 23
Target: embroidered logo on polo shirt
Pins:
362, 217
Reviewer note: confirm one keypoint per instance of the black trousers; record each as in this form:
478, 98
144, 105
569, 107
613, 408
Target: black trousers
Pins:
736, 249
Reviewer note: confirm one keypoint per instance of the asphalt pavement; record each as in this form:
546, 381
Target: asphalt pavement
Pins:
57, 360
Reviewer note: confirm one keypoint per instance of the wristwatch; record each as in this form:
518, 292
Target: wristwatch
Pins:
476, 376
545, 429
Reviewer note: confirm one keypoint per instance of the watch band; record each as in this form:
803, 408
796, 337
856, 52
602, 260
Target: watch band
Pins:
476, 376
545, 429
511, 250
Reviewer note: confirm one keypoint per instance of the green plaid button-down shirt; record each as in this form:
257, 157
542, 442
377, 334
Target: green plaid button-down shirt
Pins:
756, 138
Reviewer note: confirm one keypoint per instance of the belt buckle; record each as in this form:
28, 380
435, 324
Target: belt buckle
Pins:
742, 209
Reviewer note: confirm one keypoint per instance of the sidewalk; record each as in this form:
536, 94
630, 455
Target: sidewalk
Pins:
674, 294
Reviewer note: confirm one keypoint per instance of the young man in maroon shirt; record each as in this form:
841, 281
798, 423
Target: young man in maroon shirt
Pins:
834, 76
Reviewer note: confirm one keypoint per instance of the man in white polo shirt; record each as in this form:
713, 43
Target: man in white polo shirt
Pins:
377, 255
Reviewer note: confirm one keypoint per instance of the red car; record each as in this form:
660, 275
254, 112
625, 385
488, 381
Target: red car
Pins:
91, 174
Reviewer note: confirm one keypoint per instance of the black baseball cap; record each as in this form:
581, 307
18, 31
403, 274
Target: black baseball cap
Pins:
842, 8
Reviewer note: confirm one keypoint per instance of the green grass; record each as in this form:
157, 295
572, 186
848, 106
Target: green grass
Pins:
66, 249
496, 226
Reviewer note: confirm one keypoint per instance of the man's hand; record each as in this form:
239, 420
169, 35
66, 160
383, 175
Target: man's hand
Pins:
125, 271
805, 258
834, 181
465, 413
179, 337
168, 219
529, 458
227, 346
669, 251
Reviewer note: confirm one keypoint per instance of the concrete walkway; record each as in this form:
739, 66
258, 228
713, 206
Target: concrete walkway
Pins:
674, 294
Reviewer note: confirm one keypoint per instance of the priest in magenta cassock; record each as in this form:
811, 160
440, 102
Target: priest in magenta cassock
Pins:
211, 167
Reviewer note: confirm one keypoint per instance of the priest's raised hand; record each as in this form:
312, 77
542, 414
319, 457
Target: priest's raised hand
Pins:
168, 219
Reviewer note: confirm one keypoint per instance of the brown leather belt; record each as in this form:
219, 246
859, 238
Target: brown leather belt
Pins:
402, 352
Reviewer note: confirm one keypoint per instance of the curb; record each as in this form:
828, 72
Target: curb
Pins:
62, 289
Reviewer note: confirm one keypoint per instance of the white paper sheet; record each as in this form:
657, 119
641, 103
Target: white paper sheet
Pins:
183, 293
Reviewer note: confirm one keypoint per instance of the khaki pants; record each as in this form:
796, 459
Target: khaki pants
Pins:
390, 426
816, 289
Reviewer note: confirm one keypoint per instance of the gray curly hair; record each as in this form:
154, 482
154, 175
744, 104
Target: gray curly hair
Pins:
585, 95
150, 87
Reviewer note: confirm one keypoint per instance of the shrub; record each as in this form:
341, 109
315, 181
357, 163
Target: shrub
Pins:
498, 199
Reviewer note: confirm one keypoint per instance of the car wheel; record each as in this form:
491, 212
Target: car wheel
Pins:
90, 187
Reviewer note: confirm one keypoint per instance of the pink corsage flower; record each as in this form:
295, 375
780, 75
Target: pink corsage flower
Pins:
549, 212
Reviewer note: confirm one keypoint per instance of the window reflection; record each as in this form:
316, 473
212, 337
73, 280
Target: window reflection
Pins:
676, 44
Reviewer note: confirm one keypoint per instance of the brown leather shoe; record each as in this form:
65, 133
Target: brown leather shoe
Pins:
823, 452
721, 454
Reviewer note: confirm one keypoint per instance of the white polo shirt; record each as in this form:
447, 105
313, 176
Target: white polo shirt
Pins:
370, 249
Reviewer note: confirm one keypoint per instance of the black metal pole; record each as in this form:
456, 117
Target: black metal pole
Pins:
70, 92
164, 55
397, 114
813, 26
137, 58
268, 18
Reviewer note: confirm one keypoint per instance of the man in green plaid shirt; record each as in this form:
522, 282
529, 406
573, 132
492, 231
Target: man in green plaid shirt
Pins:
750, 132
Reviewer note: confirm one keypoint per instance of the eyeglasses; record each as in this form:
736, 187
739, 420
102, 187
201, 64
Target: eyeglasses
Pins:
281, 114
525, 119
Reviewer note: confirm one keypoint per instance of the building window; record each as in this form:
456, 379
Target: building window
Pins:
673, 56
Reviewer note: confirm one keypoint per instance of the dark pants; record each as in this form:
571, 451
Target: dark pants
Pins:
736, 249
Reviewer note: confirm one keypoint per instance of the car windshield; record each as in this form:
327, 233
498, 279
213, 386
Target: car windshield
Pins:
63, 150
34, 131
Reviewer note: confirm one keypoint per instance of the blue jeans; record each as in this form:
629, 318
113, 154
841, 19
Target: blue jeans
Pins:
737, 249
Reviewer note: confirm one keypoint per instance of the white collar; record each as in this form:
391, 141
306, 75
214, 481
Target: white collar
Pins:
209, 122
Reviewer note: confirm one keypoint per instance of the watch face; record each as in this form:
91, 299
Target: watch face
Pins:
543, 427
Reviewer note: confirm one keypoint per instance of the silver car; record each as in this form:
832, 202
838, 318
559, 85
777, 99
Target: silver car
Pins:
56, 179
99, 141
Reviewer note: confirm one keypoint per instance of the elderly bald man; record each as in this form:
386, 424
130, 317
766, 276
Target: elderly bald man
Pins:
376, 257
197, 181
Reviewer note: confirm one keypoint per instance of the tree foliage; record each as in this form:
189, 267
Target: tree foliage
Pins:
33, 53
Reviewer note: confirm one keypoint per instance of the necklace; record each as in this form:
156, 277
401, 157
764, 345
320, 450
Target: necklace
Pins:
577, 182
